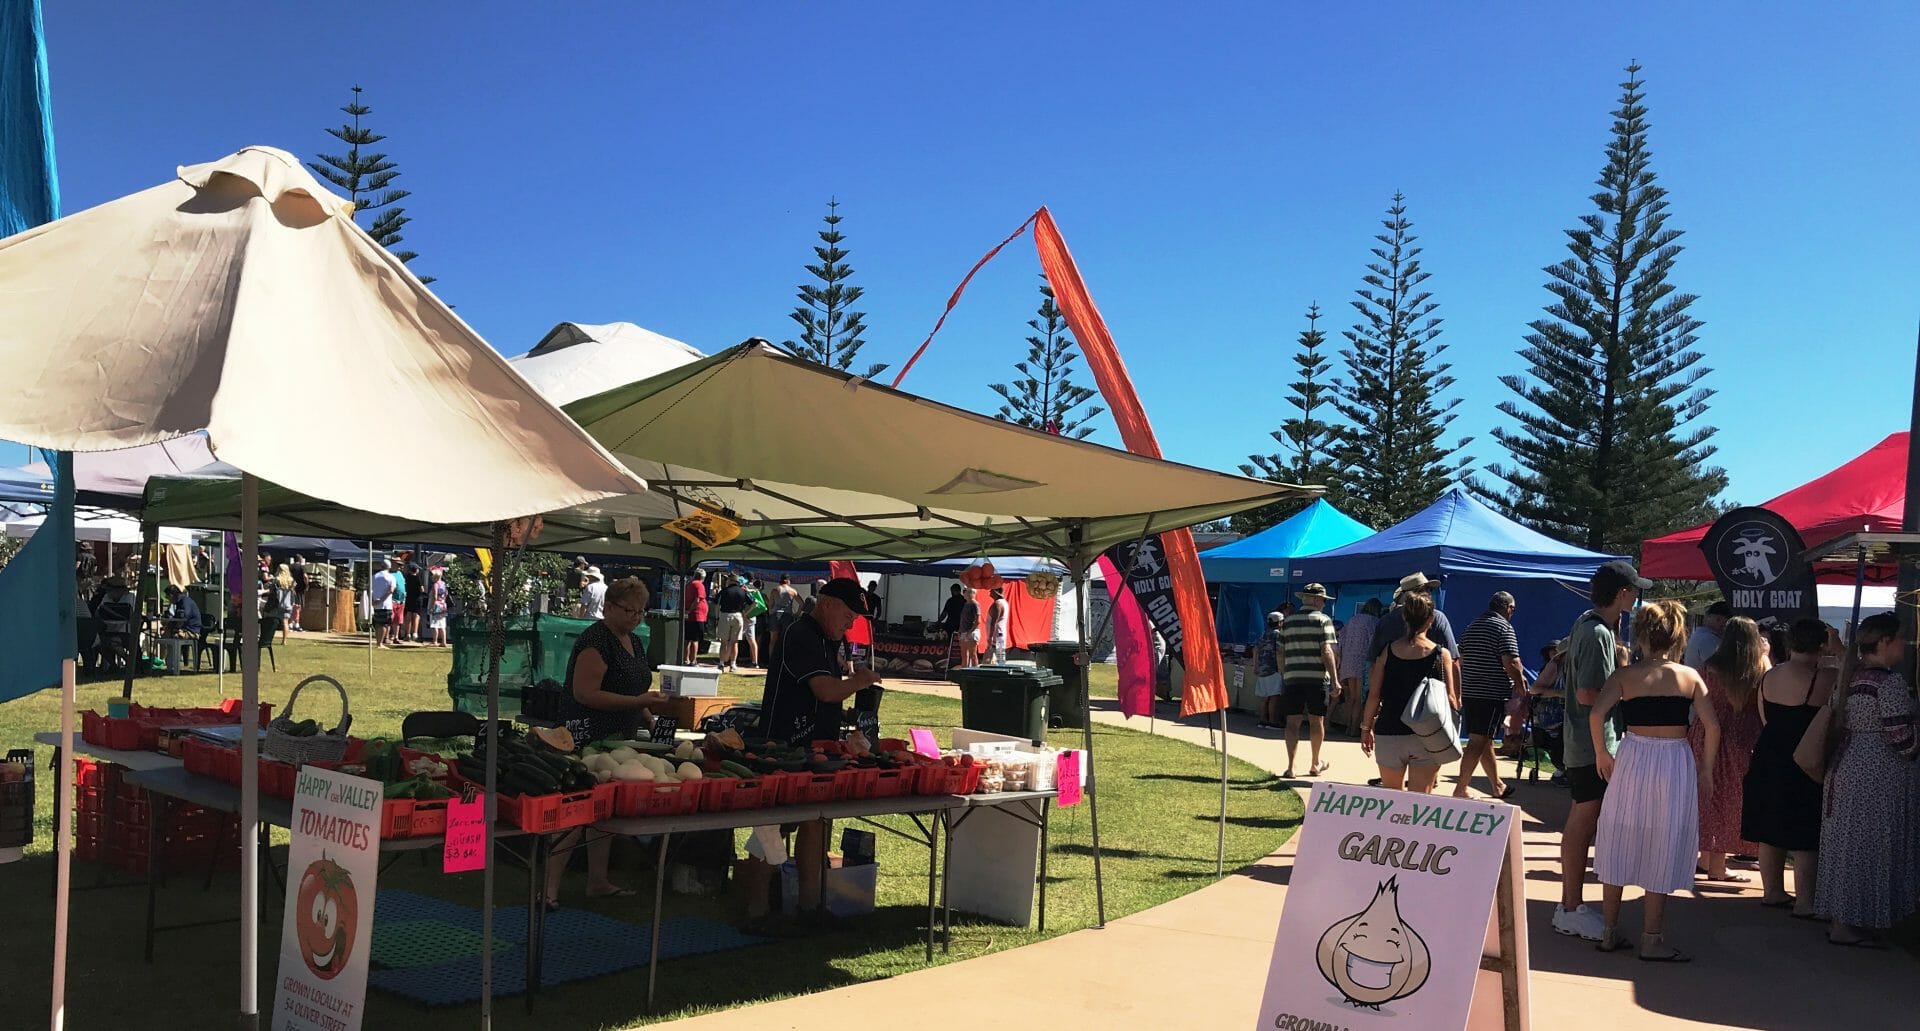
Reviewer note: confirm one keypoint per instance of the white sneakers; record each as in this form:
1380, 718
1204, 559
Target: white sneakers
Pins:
1583, 922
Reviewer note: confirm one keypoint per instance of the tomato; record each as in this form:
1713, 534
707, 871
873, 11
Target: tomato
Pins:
326, 914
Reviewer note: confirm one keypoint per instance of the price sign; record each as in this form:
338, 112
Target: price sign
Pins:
1067, 778
663, 728
924, 743
868, 724
466, 845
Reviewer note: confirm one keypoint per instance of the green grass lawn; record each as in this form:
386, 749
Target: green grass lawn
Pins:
1158, 804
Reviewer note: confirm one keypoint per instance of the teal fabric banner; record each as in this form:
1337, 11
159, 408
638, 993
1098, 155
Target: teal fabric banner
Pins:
37, 587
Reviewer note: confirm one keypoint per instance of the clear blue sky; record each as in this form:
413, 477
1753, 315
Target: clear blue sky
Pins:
1215, 168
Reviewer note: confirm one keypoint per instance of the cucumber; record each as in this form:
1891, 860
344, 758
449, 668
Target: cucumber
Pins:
737, 769
534, 773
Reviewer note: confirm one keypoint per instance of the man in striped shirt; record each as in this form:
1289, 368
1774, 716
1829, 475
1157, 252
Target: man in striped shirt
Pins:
1490, 672
1309, 674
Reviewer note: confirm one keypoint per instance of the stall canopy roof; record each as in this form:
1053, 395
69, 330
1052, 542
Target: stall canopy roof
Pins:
1263, 557
1455, 535
188, 307
814, 464
574, 361
1867, 494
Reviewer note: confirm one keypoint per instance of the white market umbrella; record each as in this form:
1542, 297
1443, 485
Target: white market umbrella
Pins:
97, 527
198, 304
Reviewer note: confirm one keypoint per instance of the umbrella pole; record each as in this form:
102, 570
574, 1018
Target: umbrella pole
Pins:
373, 629
1220, 846
220, 651
63, 844
1086, 736
249, 766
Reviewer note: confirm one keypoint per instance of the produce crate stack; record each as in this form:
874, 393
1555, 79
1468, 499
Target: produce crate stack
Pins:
195, 838
16, 803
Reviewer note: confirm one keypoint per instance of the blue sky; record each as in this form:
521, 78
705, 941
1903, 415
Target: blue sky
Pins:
1214, 167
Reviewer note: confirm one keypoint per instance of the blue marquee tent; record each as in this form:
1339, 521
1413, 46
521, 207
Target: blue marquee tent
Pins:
1255, 574
1474, 551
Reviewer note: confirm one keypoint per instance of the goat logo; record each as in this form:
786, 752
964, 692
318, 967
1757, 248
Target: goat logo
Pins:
1752, 555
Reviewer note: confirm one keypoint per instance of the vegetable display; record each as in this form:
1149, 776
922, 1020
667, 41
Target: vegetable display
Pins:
529, 765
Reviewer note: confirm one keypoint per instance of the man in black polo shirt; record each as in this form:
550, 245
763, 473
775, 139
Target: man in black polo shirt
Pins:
808, 677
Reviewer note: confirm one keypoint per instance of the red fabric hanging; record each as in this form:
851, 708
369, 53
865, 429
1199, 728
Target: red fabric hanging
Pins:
1206, 689
862, 629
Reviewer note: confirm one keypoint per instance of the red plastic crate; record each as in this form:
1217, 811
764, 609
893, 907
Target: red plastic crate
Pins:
90, 774
850, 782
541, 813
941, 779
203, 758
670, 799
277, 778
626, 796
886, 783
732, 794
804, 788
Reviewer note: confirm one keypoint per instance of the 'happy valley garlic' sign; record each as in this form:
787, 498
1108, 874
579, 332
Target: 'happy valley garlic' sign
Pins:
1386, 912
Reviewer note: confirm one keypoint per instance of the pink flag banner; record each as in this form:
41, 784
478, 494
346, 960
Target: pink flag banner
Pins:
1132, 644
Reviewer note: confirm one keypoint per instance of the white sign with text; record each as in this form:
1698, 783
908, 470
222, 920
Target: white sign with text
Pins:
327, 930
1386, 911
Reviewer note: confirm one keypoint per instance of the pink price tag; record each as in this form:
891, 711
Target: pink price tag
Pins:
1067, 778
924, 744
466, 845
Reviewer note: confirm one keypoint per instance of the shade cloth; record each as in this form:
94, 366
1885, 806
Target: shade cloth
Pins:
1867, 493
575, 360
186, 307
99, 527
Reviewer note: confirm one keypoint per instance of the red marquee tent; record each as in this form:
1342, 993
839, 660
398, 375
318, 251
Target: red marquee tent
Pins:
1868, 493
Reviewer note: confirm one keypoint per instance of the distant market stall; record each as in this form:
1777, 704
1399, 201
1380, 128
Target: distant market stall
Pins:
1474, 551
1255, 574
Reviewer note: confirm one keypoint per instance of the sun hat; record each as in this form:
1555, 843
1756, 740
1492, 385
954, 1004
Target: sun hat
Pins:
1314, 591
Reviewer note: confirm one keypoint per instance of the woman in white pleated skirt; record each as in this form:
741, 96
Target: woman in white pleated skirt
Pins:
1649, 833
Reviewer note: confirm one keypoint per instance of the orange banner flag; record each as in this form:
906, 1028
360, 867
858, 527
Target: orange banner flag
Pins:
1205, 689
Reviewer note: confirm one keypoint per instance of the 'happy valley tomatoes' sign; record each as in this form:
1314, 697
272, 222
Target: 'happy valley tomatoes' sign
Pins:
1386, 913
327, 929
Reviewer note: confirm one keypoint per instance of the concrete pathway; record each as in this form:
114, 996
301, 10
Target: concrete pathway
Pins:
1200, 961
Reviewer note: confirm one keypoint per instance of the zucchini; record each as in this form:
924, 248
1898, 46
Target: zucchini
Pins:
736, 769
534, 773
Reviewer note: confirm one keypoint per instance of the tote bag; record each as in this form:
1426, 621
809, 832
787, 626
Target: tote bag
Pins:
1429, 714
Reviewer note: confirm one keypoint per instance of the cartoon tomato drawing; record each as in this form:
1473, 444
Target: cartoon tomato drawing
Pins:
327, 910
1373, 956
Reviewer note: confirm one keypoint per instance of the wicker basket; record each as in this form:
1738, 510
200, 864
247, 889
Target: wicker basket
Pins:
326, 746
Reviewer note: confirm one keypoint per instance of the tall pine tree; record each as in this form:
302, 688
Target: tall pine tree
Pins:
1607, 452
366, 176
1308, 440
829, 330
1392, 460
1045, 396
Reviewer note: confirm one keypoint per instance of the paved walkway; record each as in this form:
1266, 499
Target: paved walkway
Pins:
1200, 961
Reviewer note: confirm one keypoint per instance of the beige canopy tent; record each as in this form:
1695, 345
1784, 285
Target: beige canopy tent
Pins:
813, 464
200, 304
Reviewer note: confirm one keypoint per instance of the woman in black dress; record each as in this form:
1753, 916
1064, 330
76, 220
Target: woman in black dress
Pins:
608, 694
1780, 807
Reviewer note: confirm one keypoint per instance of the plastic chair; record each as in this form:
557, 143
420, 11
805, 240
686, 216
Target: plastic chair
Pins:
439, 725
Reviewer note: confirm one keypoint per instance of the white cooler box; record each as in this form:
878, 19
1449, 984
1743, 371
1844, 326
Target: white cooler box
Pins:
689, 681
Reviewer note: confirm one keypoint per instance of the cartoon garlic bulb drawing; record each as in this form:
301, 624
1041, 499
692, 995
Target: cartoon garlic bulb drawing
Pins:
1373, 956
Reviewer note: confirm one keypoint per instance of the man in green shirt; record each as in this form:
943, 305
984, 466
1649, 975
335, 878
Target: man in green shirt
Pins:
1593, 653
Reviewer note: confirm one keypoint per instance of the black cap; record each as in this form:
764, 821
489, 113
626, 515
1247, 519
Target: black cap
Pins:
1720, 608
850, 593
1617, 576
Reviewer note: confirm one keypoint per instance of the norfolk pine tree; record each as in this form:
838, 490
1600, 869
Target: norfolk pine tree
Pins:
1605, 455
366, 178
1392, 460
829, 332
1045, 397
1307, 441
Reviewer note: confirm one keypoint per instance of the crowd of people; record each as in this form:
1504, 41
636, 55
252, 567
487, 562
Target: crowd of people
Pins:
1722, 754
409, 605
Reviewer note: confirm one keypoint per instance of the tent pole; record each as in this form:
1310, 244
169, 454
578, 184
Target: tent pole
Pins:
496, 643
1086, 735
249, 764
62, 843
373, 630
220, 652
149, 537
1220, 846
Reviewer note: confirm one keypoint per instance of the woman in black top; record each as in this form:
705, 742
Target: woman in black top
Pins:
1400, 669
608, 694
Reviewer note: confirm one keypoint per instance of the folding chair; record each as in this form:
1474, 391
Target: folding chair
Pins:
439, 724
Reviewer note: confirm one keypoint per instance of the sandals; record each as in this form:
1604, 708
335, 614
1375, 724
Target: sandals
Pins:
1319, 768
616, 893
1671, 955
1612, 941
1508, 793
1780, 903
1857, 943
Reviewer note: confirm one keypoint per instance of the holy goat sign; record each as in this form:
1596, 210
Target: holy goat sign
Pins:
1386, 915
1756, 557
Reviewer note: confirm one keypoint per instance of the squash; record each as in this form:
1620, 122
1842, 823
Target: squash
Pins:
560, 739
624, 755
688, 771
633, 771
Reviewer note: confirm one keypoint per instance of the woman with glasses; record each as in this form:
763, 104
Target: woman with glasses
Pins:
608, 694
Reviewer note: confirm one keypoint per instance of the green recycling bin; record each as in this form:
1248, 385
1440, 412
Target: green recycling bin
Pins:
1058, 658
1005, 700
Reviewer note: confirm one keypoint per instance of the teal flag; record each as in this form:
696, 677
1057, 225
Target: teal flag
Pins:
37, 587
